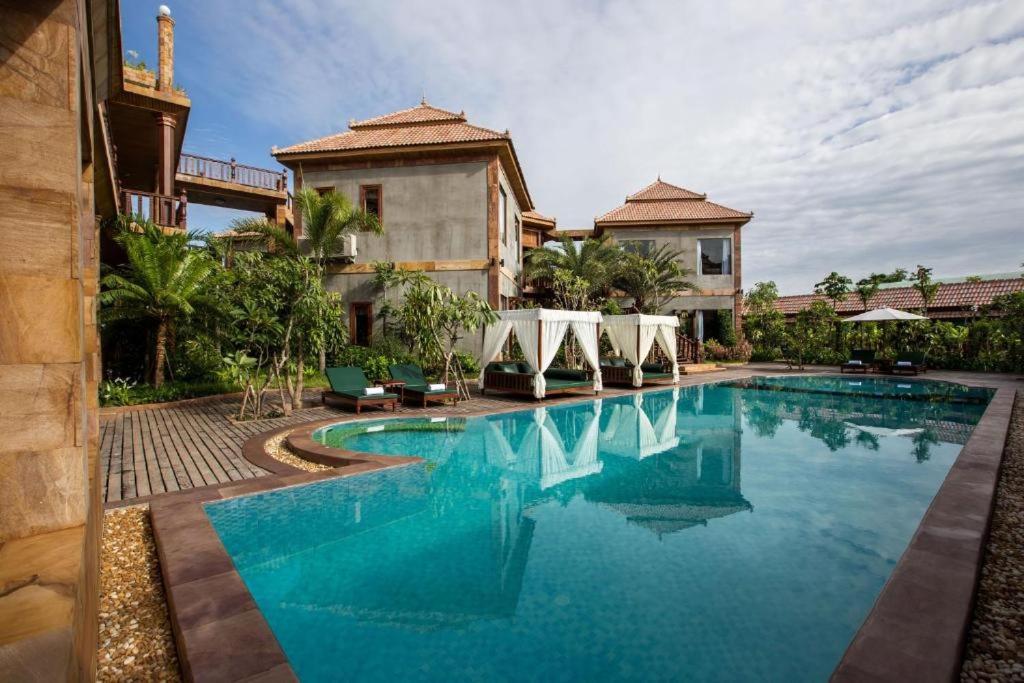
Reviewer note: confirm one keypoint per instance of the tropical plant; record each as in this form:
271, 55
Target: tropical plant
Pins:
924, 286
764, 325
652, 279
436, 318
866, 290
162, 282
581, 274
835, 288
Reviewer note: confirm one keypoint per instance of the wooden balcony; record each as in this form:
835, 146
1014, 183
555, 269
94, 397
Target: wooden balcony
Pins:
232, 172
164, 210
231, 185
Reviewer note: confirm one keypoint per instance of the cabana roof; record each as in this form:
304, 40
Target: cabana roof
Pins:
642, 319
550, 315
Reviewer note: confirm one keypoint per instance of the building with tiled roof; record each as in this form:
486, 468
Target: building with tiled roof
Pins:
450, 195
956, 298
707, 236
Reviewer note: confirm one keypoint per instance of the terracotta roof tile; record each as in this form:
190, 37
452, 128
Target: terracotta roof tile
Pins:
537, 217
951, 299
662, 202
659, 190
422, 125
421, 114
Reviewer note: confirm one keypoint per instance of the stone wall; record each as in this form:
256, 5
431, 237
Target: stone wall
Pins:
49, 362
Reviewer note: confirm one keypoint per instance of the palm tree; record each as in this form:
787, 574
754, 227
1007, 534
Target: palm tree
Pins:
579, 272
163, 281
653, 279
326, 218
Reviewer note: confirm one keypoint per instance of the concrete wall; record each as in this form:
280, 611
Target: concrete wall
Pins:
685, 239
510, 250
430, 212
49, 359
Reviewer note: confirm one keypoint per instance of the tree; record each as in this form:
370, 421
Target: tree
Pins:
898, 275
925, 287
580, 273
652, 279
437, 318
834, 287
162, 282
326, 219
866, 290
764, 324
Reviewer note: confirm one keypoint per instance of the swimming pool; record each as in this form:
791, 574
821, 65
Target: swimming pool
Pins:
723, 532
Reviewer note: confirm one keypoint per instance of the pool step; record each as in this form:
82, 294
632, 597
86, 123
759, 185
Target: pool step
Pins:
698, 368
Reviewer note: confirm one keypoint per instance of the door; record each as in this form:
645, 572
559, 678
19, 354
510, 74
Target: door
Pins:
360, 323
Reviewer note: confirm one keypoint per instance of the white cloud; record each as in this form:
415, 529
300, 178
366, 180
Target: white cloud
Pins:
864, 135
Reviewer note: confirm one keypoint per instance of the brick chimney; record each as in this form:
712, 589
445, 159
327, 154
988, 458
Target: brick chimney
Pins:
165, 48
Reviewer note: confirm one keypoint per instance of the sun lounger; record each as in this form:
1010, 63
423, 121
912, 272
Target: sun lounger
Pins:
909, 363
417, 389
861, 360
349, 389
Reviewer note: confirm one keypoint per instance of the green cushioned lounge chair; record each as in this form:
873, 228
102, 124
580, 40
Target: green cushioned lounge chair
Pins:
348, 385
861, 360
909, 363
417, 388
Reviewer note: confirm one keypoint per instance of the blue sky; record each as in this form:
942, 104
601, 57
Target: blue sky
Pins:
864, 135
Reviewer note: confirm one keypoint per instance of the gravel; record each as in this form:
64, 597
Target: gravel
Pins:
995, 641
278, 449
135, 637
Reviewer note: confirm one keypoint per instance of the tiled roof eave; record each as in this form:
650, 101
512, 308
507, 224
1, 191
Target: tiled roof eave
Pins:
742, 220
403, 147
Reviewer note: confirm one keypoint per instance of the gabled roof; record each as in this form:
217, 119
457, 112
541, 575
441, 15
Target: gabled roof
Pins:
422, 125
952, 300
662, 202
534, 219
416, 130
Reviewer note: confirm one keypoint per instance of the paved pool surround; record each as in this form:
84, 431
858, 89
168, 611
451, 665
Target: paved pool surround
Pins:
915, 632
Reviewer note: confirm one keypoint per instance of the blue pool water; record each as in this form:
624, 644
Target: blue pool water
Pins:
717, 533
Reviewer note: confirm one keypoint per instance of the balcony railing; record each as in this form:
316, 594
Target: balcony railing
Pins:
232, 172
159, 208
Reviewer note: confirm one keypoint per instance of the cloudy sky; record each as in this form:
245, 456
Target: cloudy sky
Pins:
863, 135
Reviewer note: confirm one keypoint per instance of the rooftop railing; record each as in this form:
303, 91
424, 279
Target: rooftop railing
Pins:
232, 172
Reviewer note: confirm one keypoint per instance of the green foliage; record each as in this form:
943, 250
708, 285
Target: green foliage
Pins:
764, 326
922, 282
163, 283
120, 392
727, 328
834, 287
652, 279
739, 351
580, 273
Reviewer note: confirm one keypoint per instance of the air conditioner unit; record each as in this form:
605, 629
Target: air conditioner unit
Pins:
346, 247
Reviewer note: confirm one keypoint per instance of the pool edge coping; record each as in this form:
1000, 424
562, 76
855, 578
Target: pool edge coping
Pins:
917, 628
221, 635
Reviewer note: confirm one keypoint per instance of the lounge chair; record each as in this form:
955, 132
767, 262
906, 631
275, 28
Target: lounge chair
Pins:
909, 363
620, 371
348, 389
861, 360
417, 388
517, 378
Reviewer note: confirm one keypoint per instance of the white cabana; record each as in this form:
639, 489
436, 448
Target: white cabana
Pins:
881, 314
632, 337
540, 332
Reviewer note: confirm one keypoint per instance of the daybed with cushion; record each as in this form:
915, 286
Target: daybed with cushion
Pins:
517, 378
620, 371
349, 389
861, 360
417, 389
909, 363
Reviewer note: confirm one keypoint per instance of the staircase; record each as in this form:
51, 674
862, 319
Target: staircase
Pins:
691, 356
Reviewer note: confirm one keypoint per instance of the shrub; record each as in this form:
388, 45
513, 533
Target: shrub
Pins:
740, 351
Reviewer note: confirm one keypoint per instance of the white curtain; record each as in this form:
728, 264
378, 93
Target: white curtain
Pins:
621, 335
494, 338
667, 341
625, 337
527, 332
645, 340
586, 334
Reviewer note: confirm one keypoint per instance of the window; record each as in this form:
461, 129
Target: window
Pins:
324, 190
641, 247
502, 218
371, 200
360, 323
715, 256
518, 234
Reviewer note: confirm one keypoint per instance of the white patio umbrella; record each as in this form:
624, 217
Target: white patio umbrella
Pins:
880, 314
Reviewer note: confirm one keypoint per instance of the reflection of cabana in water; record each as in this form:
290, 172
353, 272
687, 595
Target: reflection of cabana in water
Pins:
632, 338
541, 454
682, 488
635, 432
539, 332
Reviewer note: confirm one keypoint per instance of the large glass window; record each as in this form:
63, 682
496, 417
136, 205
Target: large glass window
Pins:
641, 247
715, 256
502, 217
